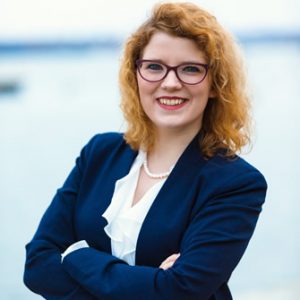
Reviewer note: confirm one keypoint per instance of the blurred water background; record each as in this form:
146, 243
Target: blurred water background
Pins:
54, 97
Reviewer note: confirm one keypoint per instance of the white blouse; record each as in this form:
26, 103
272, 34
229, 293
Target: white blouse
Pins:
125, 220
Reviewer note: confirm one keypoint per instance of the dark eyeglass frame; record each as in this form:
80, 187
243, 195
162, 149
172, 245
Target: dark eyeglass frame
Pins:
169, 68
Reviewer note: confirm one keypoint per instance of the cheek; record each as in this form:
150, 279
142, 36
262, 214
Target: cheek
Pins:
142, 91
141, 86
145, 88
202, 90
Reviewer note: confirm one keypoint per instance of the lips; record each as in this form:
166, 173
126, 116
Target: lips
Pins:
171, 103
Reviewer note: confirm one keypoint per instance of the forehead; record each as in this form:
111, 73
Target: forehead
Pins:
169, 48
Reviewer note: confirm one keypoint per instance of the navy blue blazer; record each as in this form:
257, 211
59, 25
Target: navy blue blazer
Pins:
206, 210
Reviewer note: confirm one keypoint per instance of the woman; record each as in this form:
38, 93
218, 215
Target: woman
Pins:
166, 210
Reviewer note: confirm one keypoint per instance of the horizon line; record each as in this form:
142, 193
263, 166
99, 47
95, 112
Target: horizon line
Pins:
116, 43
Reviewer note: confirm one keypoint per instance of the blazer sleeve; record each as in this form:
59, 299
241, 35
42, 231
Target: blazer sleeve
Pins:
44, 273
213, 244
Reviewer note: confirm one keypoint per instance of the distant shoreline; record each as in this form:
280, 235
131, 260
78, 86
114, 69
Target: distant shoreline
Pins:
54, 45
116, 43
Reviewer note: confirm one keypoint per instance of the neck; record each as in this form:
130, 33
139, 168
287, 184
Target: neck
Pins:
169, 145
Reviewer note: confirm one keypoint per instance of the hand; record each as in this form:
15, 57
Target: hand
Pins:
169, 261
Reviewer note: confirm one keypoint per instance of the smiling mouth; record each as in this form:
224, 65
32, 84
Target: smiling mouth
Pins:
171, 102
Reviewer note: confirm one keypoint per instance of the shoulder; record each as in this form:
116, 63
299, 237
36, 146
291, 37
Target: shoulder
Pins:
231, 164
107, 149
108, 139
218, 170
103, 142
104, 145
232, 173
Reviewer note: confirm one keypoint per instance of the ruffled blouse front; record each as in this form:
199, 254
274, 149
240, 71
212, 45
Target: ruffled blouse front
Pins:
125, 220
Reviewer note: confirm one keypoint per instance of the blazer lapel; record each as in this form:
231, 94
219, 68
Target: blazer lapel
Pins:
116, 166
169, 212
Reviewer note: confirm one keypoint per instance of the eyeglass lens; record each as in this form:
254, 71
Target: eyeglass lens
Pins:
189, 73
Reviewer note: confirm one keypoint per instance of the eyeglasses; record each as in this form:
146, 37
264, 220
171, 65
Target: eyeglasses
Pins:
188, 73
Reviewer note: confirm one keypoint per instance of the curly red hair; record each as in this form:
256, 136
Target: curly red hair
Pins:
226, 118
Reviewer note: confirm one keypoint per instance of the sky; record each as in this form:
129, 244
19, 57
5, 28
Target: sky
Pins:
63, 19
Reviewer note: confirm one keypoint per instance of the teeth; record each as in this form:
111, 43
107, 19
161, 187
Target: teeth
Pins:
170, 101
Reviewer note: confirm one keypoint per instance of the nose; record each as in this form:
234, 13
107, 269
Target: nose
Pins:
171, 81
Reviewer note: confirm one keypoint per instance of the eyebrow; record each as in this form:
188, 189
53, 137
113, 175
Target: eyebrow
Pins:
184, 62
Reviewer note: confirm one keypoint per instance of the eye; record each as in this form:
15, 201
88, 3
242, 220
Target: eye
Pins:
153, 66
192, 69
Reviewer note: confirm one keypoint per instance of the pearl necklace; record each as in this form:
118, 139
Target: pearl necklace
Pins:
155, 176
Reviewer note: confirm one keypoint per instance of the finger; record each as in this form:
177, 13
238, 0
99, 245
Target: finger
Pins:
173, 257
167, 265
169, 262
